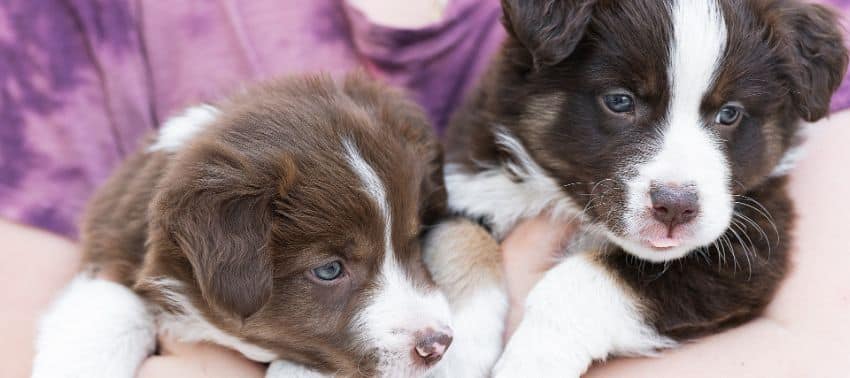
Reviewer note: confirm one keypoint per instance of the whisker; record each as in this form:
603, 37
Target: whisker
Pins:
733, 227
703, 252
759, 229
731, 252
762, 210
664, 270
752, 223
598, 183
721, 254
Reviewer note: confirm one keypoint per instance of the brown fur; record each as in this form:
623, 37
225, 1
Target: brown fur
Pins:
242, 213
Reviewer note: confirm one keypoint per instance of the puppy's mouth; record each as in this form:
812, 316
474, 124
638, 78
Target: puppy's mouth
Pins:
664, 237
663, 243
400, 364
665, 224
655, 246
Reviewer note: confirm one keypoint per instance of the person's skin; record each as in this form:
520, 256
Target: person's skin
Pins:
803, 333
35, 266
198, 360
402, 14
805, 330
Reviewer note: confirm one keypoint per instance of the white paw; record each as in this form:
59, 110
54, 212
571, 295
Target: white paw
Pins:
94, 329
287, 369
513, 365
537, 352
479, 324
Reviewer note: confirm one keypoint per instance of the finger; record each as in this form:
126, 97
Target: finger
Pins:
168, 345
186, 367
535, 244
531, 249
171, 346
514, 317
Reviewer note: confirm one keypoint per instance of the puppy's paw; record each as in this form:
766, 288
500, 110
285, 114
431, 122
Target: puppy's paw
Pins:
95, 328
537, 350
287, 369
462, 257
526, 357
465, 263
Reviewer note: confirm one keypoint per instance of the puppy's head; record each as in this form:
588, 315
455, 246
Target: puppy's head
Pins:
657, 115
293, 224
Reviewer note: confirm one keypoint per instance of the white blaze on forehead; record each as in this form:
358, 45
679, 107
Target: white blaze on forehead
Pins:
697, 48
688, 153
373, 186
399, 307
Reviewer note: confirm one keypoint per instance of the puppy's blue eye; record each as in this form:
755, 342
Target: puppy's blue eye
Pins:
329, 271
619, 103
728, 115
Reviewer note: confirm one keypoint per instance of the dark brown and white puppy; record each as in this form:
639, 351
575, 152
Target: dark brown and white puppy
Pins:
666, 127
284, 223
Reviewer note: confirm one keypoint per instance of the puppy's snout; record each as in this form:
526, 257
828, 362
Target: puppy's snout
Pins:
432, 344
674, 205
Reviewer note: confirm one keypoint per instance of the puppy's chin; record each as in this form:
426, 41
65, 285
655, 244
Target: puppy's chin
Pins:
399, 362
644, 251
401, 365
648, 243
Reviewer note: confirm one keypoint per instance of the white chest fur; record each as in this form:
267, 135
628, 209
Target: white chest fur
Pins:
579, 311
492, 193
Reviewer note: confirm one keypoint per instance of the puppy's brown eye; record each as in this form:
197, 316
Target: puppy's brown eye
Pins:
728, 115
329, 271
619, 103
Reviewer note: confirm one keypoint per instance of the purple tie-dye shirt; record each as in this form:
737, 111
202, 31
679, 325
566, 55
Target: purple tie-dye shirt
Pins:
84, 80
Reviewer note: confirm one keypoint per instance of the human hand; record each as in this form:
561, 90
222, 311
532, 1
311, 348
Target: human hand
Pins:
531, 249
801, 333
177, 359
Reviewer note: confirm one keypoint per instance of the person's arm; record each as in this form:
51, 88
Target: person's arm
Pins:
35, 266
803, 332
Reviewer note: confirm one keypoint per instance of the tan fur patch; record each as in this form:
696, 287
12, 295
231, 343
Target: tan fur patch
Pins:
542, 111
461, 256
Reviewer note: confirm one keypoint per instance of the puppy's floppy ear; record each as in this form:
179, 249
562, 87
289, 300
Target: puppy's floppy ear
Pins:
548, 29
434, 196
220, 216
433, 200
819, 58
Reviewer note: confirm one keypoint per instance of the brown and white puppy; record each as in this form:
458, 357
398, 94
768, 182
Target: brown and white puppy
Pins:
283, 223
666, 127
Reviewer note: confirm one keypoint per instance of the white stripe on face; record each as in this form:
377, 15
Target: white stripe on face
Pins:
688, 153
373, 186
399, 308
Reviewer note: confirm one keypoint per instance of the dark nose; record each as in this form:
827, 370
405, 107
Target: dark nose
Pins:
674, 205
431, 345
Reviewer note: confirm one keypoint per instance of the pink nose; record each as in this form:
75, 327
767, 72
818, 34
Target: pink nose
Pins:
431, 345
674, 205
